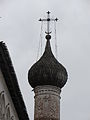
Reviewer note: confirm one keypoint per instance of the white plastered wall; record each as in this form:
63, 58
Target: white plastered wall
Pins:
8, 100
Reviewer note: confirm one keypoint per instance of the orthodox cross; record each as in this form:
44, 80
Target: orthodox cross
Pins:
48, 22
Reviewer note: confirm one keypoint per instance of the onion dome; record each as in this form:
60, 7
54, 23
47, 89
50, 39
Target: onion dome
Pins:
47, 70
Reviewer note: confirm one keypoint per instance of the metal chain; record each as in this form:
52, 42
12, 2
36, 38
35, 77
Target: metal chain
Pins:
55, 39
40, 42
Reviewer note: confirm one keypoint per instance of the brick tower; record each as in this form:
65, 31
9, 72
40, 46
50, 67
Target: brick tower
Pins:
47, 76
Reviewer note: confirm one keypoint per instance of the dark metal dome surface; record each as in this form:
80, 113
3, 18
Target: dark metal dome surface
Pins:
47, 70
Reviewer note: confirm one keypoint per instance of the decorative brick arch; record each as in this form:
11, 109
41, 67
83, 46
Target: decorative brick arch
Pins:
4, 108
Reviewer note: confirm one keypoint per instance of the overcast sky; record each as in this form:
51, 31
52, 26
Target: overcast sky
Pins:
20, 30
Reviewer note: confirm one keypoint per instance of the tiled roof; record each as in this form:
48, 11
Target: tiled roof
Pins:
11, 82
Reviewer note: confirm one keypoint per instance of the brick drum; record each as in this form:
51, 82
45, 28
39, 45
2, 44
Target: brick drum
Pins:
47, 103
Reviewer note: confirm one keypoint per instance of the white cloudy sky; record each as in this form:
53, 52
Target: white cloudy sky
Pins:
20, 30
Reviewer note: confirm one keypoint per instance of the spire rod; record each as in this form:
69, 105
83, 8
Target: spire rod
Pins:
48, 22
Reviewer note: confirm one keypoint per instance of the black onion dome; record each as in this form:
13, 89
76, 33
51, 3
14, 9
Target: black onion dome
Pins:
47, 70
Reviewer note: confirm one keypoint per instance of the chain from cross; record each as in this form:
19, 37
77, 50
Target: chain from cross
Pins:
48, 22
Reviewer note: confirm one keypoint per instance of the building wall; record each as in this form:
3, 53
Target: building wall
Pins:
7, 110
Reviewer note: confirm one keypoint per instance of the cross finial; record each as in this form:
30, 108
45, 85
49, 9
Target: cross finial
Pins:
48, 22
48, 12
